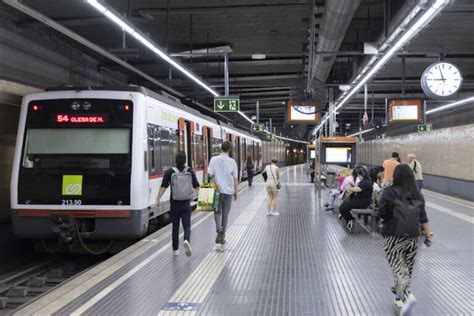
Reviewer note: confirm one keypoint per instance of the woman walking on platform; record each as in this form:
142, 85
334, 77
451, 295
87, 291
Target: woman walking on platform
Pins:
402, 209
273, 185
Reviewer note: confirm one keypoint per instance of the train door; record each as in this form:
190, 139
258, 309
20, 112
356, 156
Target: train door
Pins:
207, 134
238, 157
186, 140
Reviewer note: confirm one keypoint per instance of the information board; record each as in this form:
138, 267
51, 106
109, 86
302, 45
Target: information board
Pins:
405, 111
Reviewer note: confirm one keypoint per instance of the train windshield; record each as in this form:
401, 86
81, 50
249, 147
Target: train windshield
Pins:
83, 148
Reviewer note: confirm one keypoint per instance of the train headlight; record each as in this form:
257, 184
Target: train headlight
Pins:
86, 105
75, 105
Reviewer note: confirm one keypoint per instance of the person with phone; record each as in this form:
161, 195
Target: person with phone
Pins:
402, 210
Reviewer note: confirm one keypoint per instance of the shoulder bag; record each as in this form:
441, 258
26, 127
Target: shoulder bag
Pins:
278, 185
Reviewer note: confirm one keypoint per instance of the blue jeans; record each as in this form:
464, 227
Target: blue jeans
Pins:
222, 214
333, 194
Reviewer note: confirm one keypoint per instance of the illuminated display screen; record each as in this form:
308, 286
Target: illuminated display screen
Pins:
338, 154
80, 119
312, 154
405, 111
302, 112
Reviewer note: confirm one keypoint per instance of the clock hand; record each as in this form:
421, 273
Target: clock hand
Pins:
442, 78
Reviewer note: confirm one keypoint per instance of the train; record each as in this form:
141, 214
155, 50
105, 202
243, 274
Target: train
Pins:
89, 162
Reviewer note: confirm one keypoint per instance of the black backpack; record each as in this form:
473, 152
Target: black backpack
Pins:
406, 212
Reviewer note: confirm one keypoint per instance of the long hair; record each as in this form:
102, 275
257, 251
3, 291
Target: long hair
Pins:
404, 178
364, 173
180, 160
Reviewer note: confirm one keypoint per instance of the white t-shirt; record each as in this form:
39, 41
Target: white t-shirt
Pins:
271, 180
224, 170
376, 187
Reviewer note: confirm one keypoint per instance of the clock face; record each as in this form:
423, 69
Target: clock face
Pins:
441, 80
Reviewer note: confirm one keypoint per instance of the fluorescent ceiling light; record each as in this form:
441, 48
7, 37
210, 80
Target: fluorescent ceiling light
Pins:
258, 56
154, 48
450, 105
438, 109
148, 43
429, 14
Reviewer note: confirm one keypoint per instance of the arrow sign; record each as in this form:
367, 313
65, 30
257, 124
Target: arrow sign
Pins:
226, 104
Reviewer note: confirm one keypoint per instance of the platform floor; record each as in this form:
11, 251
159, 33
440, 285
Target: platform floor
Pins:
300, 263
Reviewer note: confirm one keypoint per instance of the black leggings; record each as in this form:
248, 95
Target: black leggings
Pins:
181, 211
346, 207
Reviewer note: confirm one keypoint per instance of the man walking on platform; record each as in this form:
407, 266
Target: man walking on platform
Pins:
224, 171
389, 166
415, 166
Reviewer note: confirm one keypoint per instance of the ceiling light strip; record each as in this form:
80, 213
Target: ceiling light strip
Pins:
426, 17
148, 43
438, 109
154, 48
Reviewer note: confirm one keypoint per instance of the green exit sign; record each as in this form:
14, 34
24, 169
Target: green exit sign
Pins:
269, 136
226, 104
380, 136
258, 127
425, 127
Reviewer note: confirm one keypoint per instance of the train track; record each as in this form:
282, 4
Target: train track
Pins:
25, 284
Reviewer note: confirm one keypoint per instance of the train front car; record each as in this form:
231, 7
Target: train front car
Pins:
75, 156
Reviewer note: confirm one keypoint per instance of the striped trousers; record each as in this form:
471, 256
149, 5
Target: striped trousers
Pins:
401, 252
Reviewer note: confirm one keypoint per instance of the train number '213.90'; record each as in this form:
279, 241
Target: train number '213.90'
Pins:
71, 202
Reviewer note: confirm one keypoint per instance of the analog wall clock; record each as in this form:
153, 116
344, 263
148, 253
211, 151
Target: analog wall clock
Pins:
441, 80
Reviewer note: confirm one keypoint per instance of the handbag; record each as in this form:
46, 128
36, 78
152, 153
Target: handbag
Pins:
278, 185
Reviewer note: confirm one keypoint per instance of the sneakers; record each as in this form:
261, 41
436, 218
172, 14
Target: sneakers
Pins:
326, 204
276, 214
329, 209
339, 216
398, 303
220, 237
350, 226
176, 253
187, 248
407, 308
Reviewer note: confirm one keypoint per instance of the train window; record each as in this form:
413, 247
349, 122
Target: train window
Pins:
166, 151
199, 151
174, 145
157, 143
216, 146
151, 149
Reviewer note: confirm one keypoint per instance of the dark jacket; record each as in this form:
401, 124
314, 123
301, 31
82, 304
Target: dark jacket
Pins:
386, 208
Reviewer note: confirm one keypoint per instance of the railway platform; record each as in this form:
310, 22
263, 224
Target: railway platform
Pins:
302, 262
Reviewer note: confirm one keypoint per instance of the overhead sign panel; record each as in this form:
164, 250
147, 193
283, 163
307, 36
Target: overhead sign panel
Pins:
425, 127
257, 127
226, 104
405, 111
302, 112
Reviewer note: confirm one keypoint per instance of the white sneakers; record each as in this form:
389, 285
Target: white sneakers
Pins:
273, 214
408, 306
187, 248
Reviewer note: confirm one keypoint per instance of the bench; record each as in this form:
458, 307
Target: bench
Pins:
371, 213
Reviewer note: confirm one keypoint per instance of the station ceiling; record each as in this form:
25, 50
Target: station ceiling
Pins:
279, 30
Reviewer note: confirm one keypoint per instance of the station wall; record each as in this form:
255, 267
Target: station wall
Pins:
446, 153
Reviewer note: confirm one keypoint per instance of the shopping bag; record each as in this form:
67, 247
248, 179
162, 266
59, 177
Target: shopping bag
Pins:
208, 198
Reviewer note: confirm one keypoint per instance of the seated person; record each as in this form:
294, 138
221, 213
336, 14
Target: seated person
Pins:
344, 182
376, 175
349, 182
361, 197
